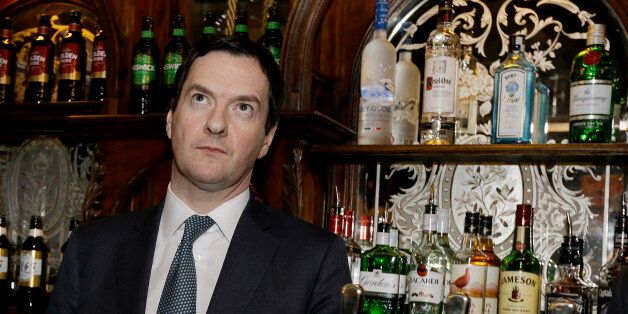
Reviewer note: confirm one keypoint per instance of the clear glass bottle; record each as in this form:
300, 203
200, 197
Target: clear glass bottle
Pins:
592, 288
467, 105
513, 96
593, 86
568, 292
426, 280
493, 263
442, 231
468, 270
440, 85
520, 272
405, 126
394, 243
353, 249
539, 125
377, 86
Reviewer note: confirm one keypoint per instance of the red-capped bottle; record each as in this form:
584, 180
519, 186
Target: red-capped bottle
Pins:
98, 84
40, 65
72, 62
7, 61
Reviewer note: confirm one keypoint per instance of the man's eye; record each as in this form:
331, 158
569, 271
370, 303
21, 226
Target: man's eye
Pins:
245, 108
199, 99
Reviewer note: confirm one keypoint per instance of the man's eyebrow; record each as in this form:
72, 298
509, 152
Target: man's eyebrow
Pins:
250, 98
199, 88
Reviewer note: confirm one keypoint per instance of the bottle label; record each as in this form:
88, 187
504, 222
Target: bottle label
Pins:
335, 224
209, 30
3, 230
31, 263
441, 84
179, 32
383, 238
69, 65
405, 121
6, 59
143, 69
570, 302
74, 27
241, 28
147, 34
591, 97
425, 285
492, 290
171, 64
35, 233
275, 52
447, 285
511, 103
520, 239
99, 60
519, 292
38, 64
469, 279
381, 14
379, 282
4, 263
273, 25
376, 106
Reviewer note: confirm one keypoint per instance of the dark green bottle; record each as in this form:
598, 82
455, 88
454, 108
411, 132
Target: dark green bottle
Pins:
72, 60
241, 28
33, 257
39, 68
272, 37
144, 71
209, 29
174, 52
7, 61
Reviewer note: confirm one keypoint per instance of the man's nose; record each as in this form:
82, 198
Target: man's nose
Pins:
216, 122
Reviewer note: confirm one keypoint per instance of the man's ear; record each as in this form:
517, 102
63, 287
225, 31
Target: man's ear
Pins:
268, 139
169, 124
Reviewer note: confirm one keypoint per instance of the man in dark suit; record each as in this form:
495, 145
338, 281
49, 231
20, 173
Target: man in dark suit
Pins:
209, 247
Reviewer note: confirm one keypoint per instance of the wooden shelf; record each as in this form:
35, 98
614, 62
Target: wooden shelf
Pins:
498, 153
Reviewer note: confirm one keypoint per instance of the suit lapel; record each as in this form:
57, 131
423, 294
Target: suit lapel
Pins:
135, 260
250, 252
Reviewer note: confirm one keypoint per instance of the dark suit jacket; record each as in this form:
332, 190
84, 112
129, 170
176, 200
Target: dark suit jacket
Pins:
275, 264
619, 302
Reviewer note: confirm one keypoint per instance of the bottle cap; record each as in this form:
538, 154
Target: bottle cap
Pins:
486, 226
471, 222
523, 215
517, 43
596, 34
443, 220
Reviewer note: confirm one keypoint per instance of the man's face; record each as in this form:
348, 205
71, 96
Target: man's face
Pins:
217, 129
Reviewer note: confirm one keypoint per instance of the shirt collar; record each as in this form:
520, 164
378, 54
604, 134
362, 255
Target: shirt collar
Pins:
226, 215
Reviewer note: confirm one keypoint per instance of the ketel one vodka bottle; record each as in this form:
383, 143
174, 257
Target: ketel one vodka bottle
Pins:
144, 71
98, 83
514, 96
272, 37
520, 273
406, 110
492, 263
32, 275
382, 268
377, 85
72, 62
209, 29
593, 82
618, 261
568, 293
440, 85
40, 65
174, 52
241, 28
7, 61
426, 281
468, 270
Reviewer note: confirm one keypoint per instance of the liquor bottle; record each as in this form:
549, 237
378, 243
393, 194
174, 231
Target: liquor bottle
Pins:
593, 86
174, 52
144, 80
5, 255
440, 86
33, 269
365, 239
442, 230
353, 249
381, 269
335, 223
618, 261
426, 281
377, 86
74, 223
468, 270
513, 94
272, 38
39, 72
520, 272
241, 28
405, 128
209, 30
98, 83
394, 244
467, 105
539, 126
493, 263
592, 289
568, 292
7, 61
72, 62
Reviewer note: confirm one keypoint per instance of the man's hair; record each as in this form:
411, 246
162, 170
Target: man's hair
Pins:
238, 46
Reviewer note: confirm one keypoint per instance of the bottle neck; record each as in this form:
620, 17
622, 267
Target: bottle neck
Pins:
522, 240
74, 27
3, 231
383, 238
43, 30
569, 271
6, 33
445, 15
486, 244
469, 241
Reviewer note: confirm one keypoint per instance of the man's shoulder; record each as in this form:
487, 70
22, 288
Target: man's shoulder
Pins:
118, 225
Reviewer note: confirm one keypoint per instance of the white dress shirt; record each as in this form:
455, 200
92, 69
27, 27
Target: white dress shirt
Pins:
209, 249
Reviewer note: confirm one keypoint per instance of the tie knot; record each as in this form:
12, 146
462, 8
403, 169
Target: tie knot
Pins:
195, 226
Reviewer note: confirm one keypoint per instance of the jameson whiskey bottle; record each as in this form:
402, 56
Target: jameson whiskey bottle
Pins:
440, 86
7, 61
377, 86
174, 52
568, 293
209, 29
426, 281
520, 276
442, 229
39, 72
241, 28
32, 269
406, 111
492, 262
72, 62
514, 96
272, 38
381, 269
593, 85
98, 84
468, 270
144, 74
617, 262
